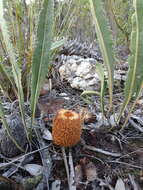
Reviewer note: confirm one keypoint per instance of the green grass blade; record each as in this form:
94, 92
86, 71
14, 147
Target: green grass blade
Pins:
135, 74
42, 51
105, 41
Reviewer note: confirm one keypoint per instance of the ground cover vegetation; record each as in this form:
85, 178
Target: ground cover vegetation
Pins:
50, 52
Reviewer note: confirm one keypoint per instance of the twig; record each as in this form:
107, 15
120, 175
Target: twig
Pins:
132, 180
66, 164
23, 156
105, 183
93, 157
133, 152
136, 126
17, 166
102, 151
46, 160
124, 163
72, 174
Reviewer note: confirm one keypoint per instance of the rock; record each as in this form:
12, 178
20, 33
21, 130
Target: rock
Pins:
83, 69
80, 73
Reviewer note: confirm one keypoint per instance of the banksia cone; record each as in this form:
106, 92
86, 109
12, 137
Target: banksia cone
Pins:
66, 128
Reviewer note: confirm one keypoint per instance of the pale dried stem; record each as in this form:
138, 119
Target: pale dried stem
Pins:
66, 164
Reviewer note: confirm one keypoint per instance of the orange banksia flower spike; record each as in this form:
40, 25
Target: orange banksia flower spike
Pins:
66, 130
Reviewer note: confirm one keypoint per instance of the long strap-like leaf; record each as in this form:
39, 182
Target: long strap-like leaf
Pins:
41, 54
105, 41
15, 67
135, 74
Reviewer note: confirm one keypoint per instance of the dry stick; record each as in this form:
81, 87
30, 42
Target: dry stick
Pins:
133, 183
66, 164
105, 183
102, 151
93, 157
46, 161
21, 157
135, 125
125, 163
130, 153
18, 166
72, 174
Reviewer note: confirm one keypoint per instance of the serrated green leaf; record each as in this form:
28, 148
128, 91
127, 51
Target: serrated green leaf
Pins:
135, 74
105, 41
9, 47
12, 57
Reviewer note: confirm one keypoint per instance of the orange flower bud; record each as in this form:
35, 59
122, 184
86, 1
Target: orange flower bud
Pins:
66, 128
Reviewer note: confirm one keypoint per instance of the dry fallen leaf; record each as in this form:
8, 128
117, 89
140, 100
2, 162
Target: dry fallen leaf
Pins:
78, 174
120, 185
45, 89
140, 101
33, 169
87, 116
91, 171
50, 105
56, 185
47, 135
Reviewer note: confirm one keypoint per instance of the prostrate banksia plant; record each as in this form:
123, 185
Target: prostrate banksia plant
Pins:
66, 128
75, 47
